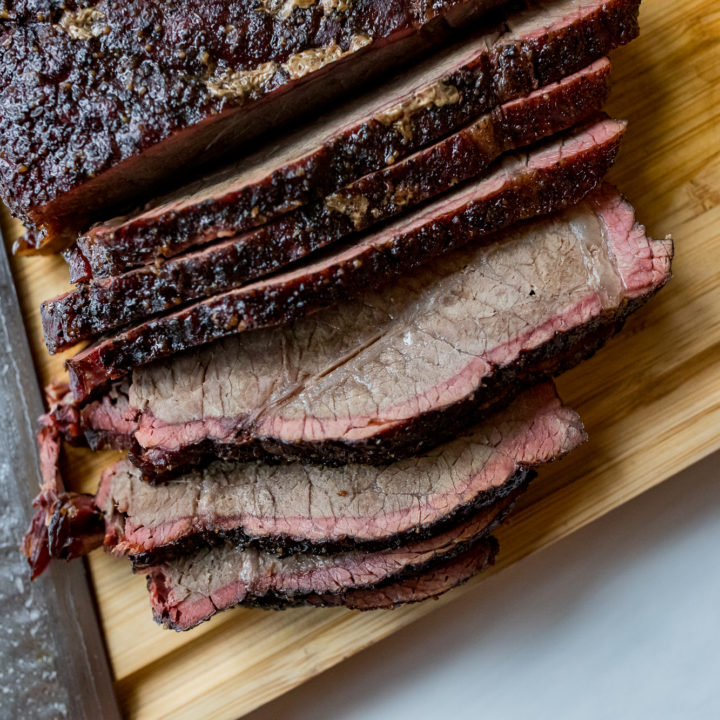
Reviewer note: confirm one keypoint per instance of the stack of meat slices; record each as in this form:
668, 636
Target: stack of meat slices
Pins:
331, 361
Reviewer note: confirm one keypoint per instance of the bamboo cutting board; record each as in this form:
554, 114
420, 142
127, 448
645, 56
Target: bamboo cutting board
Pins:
650, 401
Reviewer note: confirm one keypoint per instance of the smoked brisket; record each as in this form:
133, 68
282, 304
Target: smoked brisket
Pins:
430, 584
399, 370
550, 177
97, 307
394, 593
192, 588
64, 525
528, 50
106, 103
295, 508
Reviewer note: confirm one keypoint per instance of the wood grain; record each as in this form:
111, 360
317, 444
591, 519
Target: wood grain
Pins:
650, 401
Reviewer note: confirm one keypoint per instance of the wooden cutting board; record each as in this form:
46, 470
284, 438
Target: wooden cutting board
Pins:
650, 401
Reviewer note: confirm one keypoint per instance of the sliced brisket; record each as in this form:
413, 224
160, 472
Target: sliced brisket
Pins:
403, 369
64, 525
394, 593
530, 49
295, 508
430, 584
192, 588
103, 103
553, 176
108, 303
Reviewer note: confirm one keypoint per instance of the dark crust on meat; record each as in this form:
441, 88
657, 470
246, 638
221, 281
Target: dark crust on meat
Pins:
97, 307
122, 85
504, 72
538, 191
284, 545
278, 601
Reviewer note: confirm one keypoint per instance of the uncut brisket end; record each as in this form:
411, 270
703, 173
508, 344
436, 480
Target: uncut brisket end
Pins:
97, 307
101, 104
553, 176
530, 49
291, 507
432, 583
192, 588
402, 369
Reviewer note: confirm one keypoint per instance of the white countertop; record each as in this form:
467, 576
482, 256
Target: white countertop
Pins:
620, 620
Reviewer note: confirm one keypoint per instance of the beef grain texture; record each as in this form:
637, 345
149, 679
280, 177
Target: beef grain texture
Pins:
533, 48
401, 370
295, 508
105, 304
393, 594
192, 588
551, 177
103, 103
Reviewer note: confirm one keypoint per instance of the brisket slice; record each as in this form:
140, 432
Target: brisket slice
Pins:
192, 588
536, 47
103, 104
64, 525
553, 176
402, 369
295, 508
394, 593
108, 303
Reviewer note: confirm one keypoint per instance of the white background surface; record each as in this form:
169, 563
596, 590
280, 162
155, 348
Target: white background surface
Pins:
620, 620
